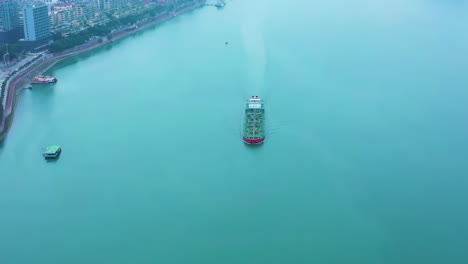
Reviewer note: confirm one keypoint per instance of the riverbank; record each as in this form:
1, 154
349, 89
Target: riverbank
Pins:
36, 69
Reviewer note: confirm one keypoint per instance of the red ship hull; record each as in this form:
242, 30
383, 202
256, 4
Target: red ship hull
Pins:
254, 141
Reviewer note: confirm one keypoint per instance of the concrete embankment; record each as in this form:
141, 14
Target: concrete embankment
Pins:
25, 77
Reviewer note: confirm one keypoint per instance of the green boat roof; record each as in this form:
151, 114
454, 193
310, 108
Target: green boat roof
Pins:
52, 149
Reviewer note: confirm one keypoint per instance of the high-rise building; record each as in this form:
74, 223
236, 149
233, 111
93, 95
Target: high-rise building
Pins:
110, 4
85, 10
36, 22
103, 4
64, 16
117, 3
9, 18
80, 11
10, 29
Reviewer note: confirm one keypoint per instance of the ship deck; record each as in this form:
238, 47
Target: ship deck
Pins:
253, 127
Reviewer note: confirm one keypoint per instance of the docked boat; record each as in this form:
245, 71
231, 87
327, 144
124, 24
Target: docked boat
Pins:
52, 152
220, 3
254, 121
43, 80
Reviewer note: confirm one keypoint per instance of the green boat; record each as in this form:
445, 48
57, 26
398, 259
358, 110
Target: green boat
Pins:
52, 152
254, 121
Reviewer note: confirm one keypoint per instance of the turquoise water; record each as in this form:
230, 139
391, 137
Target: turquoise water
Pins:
364, 162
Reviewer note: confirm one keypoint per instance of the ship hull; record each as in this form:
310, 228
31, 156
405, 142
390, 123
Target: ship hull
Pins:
42, 82
253, 141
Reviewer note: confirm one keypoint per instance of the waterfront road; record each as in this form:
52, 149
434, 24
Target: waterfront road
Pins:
11, 92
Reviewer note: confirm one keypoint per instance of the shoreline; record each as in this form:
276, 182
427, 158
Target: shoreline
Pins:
34, 69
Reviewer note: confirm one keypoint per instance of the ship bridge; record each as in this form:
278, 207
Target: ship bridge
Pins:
255, 103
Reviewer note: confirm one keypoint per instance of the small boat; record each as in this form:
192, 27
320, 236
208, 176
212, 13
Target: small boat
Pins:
220, 3
52, 152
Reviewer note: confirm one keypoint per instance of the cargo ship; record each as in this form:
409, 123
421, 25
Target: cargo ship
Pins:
43, 80
254, 121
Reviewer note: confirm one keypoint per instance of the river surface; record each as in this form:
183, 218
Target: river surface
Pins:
365, 159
